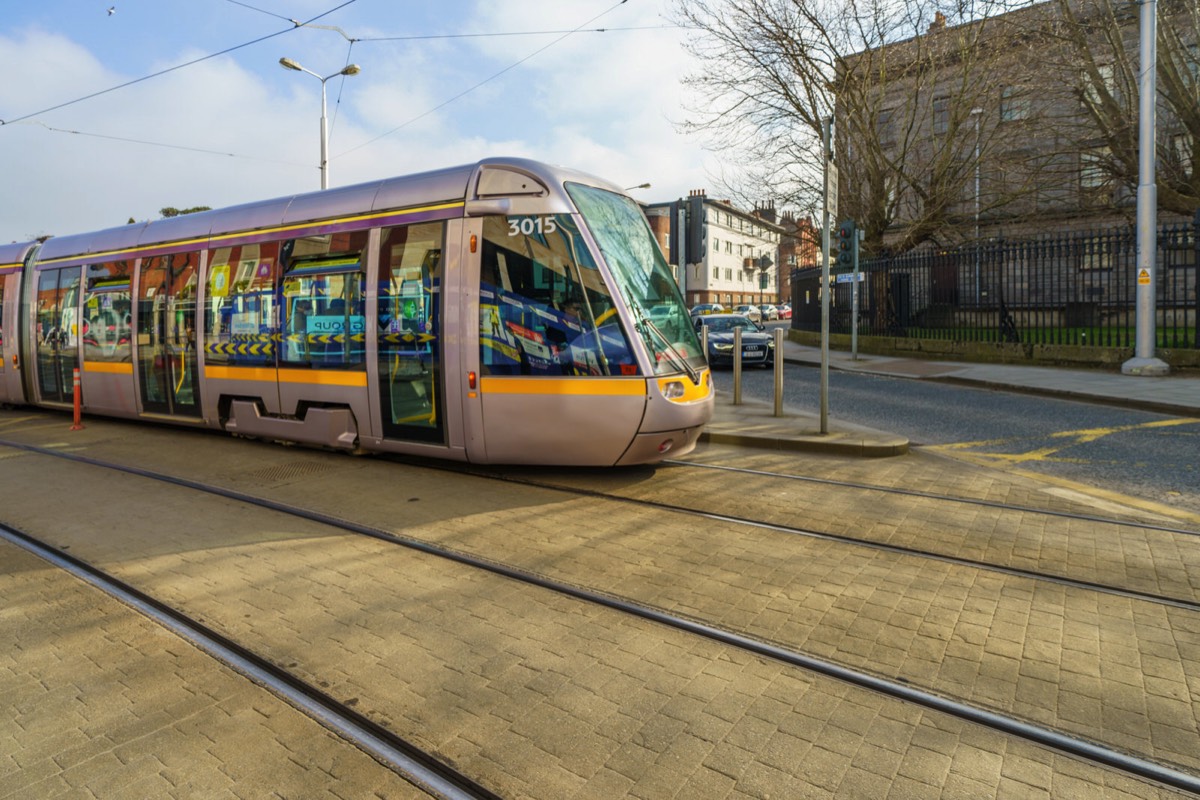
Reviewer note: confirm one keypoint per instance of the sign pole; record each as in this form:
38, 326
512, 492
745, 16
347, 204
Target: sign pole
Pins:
829, 214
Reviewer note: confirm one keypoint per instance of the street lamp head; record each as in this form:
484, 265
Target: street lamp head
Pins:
288, 63
352, 69
639, 186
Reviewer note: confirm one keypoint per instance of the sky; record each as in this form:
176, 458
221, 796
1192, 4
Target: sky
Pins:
77, 153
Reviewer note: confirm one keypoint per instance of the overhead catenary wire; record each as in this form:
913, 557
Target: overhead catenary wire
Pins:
483, 82
168, 70
295, 24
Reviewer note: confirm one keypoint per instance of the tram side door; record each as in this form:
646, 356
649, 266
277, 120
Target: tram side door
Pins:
57, 332
168, 374
10, 380
412, 352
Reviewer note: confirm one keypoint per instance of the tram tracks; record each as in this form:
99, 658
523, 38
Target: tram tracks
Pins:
927, 495
422, 768
899, 688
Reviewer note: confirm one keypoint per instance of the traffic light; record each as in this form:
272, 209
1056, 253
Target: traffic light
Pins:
675, 254
847, 243
695, 229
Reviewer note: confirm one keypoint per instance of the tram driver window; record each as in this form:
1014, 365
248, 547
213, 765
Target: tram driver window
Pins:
544, 307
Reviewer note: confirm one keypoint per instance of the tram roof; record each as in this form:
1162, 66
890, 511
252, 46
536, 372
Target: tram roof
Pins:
15, 253
390, 193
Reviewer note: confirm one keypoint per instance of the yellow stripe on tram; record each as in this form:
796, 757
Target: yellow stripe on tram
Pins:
320, 377
605, 387
109, 367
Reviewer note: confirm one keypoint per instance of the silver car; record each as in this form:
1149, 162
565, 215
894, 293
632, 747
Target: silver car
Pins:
749, 311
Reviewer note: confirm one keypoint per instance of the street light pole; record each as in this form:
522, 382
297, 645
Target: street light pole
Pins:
976, 112
350, 69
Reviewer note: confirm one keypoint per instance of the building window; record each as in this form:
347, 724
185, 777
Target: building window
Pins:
1181, 149
1095, 183
941, 115
1014, 104
1093, 93
885, 127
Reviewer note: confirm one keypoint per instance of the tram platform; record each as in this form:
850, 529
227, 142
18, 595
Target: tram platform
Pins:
754, 424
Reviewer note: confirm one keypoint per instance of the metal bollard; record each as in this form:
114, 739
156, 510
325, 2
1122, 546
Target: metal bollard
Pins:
737, 366
779, 372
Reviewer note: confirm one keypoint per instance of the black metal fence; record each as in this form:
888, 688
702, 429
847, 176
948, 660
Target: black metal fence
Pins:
1079, 289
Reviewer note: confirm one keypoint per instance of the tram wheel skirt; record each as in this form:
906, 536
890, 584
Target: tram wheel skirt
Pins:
332, 427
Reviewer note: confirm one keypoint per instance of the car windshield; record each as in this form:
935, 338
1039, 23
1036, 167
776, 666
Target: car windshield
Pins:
642, 275
728, 324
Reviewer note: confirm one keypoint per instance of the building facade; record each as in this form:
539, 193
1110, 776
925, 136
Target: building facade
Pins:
1021, 125
742, 254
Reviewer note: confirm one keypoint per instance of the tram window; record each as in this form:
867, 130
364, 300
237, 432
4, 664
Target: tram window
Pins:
107, 324
544, 306
323, 301
239, 316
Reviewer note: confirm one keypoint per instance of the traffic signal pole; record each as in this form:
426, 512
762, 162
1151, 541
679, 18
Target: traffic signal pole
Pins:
848, 238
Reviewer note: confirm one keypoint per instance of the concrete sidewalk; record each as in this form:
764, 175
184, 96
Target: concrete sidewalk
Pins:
753, 424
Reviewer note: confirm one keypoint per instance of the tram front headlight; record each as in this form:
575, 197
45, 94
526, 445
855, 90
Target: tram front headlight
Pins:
673, 390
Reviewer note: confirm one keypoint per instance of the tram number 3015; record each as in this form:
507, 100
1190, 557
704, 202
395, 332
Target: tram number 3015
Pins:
527, 226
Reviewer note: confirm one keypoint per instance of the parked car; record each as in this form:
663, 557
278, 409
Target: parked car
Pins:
785, 311
707, 308
769, 311
758, 347
753, 312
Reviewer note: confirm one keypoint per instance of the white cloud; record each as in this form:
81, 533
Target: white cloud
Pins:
605, 103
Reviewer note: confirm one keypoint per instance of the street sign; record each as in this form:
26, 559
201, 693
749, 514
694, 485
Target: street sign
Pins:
832, 197
848, 277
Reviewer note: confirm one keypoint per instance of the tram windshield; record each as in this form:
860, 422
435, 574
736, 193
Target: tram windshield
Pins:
642, 276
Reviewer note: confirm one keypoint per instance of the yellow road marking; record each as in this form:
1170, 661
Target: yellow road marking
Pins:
961, 450
1081, 436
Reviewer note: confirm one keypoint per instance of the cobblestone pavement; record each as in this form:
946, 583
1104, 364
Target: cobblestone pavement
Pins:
541, 695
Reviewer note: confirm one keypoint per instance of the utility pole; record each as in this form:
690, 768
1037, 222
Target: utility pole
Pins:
1144, 361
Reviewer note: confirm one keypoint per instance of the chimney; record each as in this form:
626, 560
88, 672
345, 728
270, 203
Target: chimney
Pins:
939, 22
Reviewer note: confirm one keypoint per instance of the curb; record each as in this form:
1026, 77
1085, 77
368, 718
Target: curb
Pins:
833, 444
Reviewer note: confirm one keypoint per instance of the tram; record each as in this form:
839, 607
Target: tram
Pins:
497, 312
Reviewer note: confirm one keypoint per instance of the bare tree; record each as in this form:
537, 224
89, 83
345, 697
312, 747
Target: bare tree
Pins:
900, 82
1096, 60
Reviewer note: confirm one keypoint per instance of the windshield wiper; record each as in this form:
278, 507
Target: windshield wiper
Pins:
678, 356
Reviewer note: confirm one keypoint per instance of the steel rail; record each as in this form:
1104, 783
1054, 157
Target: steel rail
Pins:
1049, 512
401, 756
